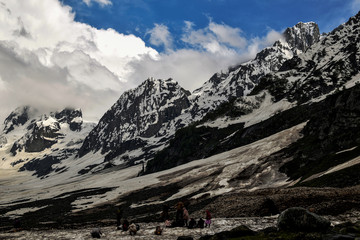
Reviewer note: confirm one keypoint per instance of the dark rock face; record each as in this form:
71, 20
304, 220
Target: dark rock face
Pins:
71, 116
148, 111
334, 128
196, 142
302, 36
237, 232
38, 138
41, 166
337, 129
17, 118
299, 219
185, 238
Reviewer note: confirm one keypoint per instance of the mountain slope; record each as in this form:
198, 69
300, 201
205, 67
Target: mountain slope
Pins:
327, 66
36, 143
305, 77
144, 119
240, 81
147, 115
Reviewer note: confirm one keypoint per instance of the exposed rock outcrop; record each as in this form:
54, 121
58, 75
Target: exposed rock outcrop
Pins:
299, 219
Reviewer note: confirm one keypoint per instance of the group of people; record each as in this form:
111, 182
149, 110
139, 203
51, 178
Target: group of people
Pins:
125, 225
182, 219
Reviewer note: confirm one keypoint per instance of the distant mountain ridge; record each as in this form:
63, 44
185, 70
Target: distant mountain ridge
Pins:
34, 141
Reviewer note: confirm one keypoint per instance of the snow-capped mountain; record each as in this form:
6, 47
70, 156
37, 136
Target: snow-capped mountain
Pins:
302, 36
296, 93
18, 118
34, 141
289, 117
144, 117
327, 65
45, 132
241, 80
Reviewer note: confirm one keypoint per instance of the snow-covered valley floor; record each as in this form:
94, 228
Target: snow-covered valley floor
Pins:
210, 183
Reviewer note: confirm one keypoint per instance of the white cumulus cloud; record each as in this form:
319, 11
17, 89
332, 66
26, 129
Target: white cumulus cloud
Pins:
209, 50
215, 38
160, 36
100, 2
258, 43
56, 51
49, 60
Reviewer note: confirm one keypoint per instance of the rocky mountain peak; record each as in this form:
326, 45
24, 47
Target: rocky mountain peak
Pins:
301, 36
44, 131
18, 117
323, 69
141, 113
239, 81
71, 116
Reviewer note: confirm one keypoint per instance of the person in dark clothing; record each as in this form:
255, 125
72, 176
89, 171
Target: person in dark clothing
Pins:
158, 230
119, 213
165, 213
192, 223
179, 214
125, 225
201, 223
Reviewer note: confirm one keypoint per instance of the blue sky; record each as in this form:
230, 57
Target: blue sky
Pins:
253, 17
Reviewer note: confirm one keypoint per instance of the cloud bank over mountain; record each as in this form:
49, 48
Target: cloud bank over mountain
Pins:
51, 61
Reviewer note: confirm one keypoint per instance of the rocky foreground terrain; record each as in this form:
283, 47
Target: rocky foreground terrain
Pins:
257, 210
222, 228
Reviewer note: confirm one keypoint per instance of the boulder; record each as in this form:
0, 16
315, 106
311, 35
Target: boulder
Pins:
299, 219
185, 238
240, 231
